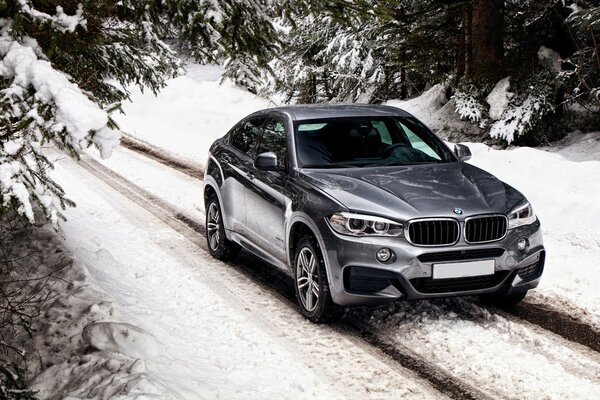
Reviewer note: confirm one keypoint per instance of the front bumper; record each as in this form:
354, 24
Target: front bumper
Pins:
357, 278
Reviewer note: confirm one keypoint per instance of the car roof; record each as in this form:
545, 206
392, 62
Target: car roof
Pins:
303, 112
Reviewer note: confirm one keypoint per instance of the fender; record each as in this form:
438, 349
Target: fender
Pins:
299, 216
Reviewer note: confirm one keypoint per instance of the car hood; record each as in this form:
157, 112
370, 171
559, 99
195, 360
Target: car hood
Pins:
415, 191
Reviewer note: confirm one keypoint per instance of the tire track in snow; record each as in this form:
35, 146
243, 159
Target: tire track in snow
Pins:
568, 326
161, 156
400, 358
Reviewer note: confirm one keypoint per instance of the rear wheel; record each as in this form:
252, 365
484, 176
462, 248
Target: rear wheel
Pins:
504, 300
312, 287
218, 244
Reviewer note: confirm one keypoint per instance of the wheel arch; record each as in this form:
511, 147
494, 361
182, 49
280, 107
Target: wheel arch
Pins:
210, 188
299, 226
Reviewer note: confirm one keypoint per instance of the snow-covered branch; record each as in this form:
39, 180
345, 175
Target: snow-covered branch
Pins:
40, 106
61, 21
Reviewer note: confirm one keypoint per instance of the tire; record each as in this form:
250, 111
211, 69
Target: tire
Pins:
218, 245
311, 284
504, 300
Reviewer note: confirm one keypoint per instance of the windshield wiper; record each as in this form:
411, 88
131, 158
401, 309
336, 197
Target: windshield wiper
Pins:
400, 163
330, 165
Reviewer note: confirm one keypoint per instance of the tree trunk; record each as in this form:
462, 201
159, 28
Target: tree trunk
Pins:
403, 86
487, 40
461, 50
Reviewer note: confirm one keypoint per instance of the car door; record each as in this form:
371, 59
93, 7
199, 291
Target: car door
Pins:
237, 162
265, 200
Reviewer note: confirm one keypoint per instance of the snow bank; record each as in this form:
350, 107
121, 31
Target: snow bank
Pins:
499, 98
425, 105
439, 113
564, 195
80, 347
190, 113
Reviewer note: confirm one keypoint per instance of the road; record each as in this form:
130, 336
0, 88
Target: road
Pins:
139, 227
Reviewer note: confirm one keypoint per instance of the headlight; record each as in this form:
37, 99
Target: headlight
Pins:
364, 225
521, 215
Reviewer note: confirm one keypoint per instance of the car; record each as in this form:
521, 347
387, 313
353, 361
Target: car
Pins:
364, 205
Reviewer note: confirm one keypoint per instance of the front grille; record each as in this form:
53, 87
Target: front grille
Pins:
485, 229
429, 285
440, 232
460, 255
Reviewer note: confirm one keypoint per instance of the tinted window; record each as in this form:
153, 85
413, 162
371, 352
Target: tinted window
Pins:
367, 141
274, 139
247, 135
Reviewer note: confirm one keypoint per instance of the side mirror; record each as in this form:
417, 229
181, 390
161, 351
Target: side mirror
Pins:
462, 152
266, 161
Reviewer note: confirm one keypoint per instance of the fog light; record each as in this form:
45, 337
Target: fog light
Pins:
384, 255
522, 244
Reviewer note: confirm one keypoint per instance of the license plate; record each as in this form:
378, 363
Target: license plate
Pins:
463, 269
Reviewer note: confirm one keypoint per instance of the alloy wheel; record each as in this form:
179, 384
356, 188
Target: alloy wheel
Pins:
308, 279
212, 226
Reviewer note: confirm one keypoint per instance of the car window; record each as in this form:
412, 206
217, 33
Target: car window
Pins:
246, 137
367, 141
383, 131
417, 143
274, 139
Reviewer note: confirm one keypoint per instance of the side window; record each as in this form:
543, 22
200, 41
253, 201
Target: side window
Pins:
247, 135
274, 139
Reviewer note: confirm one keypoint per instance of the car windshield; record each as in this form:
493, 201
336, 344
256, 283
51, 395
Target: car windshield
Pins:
367, 141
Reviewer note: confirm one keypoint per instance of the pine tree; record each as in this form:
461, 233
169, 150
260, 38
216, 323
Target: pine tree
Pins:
66, 64
376, 50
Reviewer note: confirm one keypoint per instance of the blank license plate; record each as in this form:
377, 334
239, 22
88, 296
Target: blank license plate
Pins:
463, 269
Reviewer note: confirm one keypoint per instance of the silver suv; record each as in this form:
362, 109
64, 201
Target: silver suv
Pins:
364, 205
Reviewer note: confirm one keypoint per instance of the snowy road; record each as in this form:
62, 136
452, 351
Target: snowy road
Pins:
219, 325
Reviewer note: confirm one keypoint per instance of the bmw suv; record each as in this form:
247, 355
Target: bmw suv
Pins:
364, 205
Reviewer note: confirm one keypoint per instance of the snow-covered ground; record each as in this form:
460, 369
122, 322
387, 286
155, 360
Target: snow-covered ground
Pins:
189, 113
183, 325
210, 332
563, 186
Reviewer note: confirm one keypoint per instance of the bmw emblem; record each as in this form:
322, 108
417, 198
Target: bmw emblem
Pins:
458, 211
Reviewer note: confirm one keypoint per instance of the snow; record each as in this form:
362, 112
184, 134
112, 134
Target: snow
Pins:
190, 113
61, 21
578, 146
199, 325
504, 358
499, 98
564, 195
568, 222
468, 106
143, 312
82, 120
59, 352
439, 113
426, 105
74, 110
550, 58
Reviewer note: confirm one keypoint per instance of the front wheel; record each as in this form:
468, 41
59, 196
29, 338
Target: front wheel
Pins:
312, 287
218, 244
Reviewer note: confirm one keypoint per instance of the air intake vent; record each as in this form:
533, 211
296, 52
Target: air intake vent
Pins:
428, 285
485, 229
460, 255
433, 232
